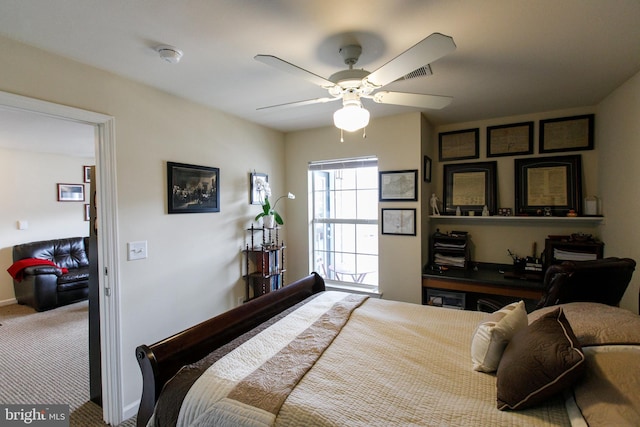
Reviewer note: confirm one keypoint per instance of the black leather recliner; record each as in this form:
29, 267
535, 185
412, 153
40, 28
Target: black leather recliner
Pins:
45, 287
603, 280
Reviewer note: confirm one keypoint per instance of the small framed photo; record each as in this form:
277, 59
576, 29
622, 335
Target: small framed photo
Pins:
548, 185
459, 144
398, 186
470, 187
87, 211
254, 193
86, 174
426, 167
567, 134
510, 140
71, 192
192, 188
399, 221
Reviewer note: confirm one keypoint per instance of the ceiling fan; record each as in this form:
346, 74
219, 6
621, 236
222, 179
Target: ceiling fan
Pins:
352, 85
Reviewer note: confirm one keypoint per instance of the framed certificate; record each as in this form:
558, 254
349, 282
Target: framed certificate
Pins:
548, 184
459, 144
567, 134
470, 187
510, 140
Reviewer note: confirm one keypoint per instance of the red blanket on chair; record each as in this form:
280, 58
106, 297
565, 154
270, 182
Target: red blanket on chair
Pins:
17, 267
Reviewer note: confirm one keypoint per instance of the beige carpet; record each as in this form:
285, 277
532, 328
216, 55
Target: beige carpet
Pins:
44, 359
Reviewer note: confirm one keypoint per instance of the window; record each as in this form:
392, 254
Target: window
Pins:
344, 221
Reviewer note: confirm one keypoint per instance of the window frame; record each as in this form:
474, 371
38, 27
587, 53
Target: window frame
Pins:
334, 279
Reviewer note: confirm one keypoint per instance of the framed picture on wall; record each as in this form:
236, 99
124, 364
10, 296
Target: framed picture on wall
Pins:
396, 186
86, 174
254, 194
567, 134
427, 168
192, 189
71, 192
459, 144
551, 185
510, 140
470, 187
399, 221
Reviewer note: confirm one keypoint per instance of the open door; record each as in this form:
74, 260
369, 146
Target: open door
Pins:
95, 368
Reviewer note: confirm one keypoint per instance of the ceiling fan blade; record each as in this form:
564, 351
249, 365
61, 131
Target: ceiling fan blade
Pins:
425, 52
282, 65
433, 102
299, 103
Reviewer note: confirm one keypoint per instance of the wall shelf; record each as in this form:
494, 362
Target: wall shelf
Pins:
497, 219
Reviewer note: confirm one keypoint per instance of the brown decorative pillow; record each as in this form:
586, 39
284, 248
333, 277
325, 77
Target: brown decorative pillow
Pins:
539, 361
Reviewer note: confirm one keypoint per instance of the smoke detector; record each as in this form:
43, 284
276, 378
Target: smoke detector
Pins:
169, 53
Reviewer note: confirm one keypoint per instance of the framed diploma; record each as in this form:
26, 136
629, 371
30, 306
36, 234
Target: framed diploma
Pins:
470, 187
566, 134
548, 184
459, 145
510, 140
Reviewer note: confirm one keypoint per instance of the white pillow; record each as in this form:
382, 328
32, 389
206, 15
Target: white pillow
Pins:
494, 333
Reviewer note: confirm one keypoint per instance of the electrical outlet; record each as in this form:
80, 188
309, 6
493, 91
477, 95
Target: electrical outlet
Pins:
240, 300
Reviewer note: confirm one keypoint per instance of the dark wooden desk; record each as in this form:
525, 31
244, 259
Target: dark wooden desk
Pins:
488, 279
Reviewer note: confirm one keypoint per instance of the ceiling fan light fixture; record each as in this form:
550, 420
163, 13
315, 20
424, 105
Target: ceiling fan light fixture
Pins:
352, 85
351, 117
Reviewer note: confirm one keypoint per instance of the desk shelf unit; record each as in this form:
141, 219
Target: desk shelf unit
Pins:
559, 250
264, 263
449, 246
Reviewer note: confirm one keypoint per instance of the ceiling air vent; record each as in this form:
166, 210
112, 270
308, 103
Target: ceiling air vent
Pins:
420, 72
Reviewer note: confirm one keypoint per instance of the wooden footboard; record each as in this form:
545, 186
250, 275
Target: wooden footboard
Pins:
160, 361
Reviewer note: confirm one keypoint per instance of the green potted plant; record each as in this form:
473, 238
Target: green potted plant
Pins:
269, 213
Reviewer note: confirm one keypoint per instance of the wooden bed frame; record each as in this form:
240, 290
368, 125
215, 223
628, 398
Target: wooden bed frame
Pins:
159, 362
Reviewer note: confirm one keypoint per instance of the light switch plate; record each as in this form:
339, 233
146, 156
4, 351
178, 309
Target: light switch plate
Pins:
136, 250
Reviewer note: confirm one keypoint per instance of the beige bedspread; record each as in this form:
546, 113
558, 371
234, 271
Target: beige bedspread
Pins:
248, 385
392, 364
404, 364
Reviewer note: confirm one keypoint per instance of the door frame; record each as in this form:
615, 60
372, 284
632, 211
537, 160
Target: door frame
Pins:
107, 211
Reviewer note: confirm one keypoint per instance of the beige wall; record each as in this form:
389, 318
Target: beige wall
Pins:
396, 141
618, 132
29, 192
194, 266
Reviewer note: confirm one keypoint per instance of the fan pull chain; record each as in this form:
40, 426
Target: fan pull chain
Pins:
341, 135
364, 132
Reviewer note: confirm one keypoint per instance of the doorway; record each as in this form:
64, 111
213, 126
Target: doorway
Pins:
107, 250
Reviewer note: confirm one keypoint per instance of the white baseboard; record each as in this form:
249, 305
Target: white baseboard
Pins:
8, 302
131, 410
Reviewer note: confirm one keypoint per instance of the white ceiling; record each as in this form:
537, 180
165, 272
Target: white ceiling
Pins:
513, 56
29, 131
